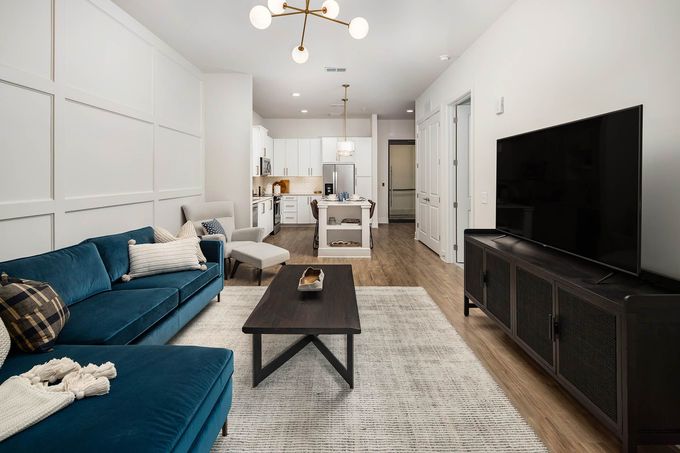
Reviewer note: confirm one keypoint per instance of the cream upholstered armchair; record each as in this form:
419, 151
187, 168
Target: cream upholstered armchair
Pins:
223, 211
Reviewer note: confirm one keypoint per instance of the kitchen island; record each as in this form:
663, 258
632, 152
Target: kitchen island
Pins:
344, 229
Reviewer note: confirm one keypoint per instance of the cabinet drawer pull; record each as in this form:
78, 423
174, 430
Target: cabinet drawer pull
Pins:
551, 327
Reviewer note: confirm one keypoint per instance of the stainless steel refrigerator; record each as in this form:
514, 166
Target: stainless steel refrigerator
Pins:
338, 178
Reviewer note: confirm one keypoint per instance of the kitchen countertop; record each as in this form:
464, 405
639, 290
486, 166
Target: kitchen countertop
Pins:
260, 199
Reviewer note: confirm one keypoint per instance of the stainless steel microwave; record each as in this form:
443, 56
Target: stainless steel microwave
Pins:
265, 166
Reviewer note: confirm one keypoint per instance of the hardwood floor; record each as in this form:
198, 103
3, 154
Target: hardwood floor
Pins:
399, 260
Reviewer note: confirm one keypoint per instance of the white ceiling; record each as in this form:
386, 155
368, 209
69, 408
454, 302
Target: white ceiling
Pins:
387, 70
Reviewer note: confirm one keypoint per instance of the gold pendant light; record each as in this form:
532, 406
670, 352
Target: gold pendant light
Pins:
345, 147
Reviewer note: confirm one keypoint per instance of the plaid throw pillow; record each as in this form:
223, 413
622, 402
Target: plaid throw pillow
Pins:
213, 227
32, 312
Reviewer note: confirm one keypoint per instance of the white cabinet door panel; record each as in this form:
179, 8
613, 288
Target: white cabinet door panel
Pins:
329, 149
316, 159
305, 210
363, 156
304, 157
292, 158
279, 161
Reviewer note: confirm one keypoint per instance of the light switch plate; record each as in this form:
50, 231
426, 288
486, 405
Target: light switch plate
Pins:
485, 197
500, 106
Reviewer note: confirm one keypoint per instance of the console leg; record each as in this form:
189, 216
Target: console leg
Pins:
466, 306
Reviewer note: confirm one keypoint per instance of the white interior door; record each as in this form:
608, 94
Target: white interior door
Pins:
462, 205
429, 193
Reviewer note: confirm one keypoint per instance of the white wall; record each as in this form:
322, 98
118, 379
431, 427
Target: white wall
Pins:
562, 60
228, 135
100, 125
389, 130
316, 127
257, 119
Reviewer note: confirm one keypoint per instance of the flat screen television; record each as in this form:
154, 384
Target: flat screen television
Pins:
576, 188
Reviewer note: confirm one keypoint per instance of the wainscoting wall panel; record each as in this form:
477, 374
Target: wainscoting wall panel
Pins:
105, 59
25, 142
26, 236
178, 160
26, 36
102, 125
79, 225
169, 212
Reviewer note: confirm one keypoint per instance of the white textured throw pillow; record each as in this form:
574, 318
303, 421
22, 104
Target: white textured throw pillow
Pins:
5, 343
152, 259
161, 235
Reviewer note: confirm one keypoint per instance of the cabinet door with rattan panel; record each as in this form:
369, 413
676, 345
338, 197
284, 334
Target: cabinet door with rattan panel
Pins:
535, 314
497, 277
474, 271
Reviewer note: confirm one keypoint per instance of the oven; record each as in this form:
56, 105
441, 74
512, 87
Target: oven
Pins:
277, 214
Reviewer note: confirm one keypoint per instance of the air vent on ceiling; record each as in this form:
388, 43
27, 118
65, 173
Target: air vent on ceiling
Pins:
332, 69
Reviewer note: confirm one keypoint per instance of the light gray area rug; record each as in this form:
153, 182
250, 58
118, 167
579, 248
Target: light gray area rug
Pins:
418, 387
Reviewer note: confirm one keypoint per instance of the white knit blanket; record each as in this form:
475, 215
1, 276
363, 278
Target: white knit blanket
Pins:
29, 398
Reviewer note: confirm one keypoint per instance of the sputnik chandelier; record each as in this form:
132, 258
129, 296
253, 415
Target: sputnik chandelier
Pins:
261, 18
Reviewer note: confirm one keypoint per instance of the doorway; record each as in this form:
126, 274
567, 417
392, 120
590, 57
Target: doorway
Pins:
401, 181
461, 137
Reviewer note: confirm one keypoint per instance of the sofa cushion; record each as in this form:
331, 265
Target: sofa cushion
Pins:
34, 313
117, 317
114, 249
157, 402
75, 273
187, 282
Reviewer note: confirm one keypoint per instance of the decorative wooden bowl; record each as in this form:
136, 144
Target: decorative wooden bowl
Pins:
311, 280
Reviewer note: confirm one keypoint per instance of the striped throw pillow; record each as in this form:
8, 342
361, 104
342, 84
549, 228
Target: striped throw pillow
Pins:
161, 235
152, 259
33, 313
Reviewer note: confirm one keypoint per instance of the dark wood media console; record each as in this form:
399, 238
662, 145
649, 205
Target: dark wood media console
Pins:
614, 346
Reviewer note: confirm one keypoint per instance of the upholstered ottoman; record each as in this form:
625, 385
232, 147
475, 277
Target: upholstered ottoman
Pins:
259, 255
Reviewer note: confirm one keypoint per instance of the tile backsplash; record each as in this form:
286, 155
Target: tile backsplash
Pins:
298, 184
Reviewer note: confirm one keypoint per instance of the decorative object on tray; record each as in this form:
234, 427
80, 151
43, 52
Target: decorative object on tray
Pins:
356, 197
351, 220
311, 280
331, 197
344, 244
332, 221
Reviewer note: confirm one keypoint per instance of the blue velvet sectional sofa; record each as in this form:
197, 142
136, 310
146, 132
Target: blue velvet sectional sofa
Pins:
165, 398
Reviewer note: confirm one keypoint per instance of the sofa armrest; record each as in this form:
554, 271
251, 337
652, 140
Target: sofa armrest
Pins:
213, 237
214, 252
248, 234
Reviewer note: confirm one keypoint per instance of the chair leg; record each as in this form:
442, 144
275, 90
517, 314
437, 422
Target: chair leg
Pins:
235, 268
259, 277
219, 297
227, 267
371, 235
316, 236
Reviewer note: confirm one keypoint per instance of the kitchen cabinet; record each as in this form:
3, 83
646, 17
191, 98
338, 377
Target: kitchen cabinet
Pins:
329, 149
265, 215
286, 159
309, 155
289, 210
261, 147
363, 156
304, 211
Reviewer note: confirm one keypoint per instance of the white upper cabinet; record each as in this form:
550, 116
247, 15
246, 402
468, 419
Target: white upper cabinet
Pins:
262, 147
292, 158
329, 149
309, 157
279, 157
363, 156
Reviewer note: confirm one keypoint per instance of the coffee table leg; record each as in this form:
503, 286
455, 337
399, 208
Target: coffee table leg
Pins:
257, 358
350, 360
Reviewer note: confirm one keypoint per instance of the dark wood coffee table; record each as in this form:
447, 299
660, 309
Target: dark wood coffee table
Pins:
285, 310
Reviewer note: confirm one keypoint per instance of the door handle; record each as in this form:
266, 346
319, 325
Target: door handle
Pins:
551, 327
483, 278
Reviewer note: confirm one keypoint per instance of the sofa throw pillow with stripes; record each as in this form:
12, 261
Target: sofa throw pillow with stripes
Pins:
32, 312
152, 259
161, 235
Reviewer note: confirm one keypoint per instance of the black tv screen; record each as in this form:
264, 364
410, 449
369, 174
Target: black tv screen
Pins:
576, 187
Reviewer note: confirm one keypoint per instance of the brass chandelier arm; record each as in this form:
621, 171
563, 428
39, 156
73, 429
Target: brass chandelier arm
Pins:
287, 6
304, 29
346, 24
288, 14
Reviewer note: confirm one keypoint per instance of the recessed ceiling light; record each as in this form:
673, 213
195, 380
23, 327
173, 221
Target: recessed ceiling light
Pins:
296, 95
444, 57
409, 111
304, 111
